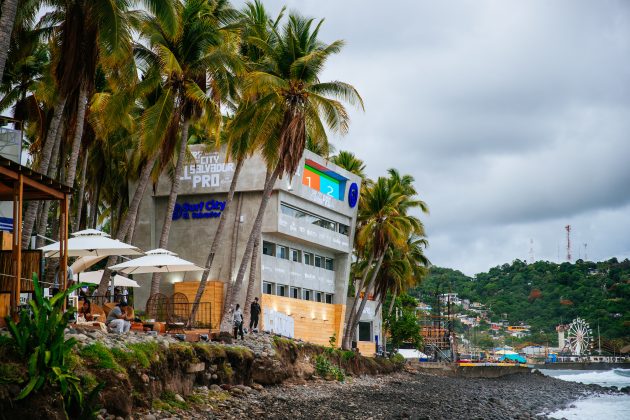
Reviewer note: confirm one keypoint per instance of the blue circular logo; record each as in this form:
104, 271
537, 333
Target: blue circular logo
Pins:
353, 195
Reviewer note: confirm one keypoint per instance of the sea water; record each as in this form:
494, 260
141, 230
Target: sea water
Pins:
610, 407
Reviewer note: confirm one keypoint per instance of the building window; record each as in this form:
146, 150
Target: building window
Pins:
309, 258
344, 229
308, 295
281, 290
282, 252
329, 298
319, 261
308, 217
267, 288
319, 297
269, 248
328, 264
296, 255
295, 293
365, 331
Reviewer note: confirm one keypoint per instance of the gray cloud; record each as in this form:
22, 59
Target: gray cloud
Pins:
514, 117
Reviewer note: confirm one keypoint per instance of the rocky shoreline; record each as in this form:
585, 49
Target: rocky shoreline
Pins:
397, 396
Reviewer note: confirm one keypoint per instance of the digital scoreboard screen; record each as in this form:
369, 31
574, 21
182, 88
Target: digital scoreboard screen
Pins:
323, 180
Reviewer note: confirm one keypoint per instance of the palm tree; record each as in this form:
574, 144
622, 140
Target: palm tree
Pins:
194, 67
87, 32
255, 22
349, 162
284, 102
381, 223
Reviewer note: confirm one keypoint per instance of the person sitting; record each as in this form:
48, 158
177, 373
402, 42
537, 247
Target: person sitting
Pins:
117, 319
86, 310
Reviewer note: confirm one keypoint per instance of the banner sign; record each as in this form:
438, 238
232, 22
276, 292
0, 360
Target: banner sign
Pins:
202, 210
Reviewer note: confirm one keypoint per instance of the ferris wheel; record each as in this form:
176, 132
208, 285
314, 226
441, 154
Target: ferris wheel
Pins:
579, 337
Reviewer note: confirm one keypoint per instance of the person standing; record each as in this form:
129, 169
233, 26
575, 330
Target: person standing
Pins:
254, 311
237, 319
117, 319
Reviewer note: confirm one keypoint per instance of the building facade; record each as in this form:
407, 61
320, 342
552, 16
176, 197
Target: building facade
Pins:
303, 264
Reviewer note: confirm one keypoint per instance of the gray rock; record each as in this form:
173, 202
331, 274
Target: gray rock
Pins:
179, 398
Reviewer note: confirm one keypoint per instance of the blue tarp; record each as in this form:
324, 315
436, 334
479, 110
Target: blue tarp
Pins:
513, 357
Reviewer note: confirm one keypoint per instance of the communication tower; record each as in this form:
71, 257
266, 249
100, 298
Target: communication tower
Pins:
531, 251
585, 254
568, 229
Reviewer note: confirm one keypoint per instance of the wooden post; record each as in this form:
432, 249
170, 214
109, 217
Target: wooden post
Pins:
18, 188
63, 246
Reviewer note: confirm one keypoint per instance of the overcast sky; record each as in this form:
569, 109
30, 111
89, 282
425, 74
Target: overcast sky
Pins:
513, 117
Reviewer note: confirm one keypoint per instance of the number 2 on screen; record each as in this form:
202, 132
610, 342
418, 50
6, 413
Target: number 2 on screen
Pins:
331, 190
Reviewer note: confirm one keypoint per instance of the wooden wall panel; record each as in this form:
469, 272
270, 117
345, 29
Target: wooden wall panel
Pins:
30, 264
213, 294
314, 322
367, 348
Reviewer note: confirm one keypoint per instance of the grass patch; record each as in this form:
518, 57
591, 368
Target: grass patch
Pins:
12, 373
169, 398
210, 352
218, 395
101, 357
240, 353
328, 370
138, 354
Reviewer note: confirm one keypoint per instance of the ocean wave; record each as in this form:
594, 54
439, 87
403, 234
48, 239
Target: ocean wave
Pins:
614, 377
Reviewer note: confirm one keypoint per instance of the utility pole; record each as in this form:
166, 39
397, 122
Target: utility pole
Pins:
568, 229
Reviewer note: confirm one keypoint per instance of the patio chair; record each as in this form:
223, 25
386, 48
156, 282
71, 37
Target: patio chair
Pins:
178, 311
157, 307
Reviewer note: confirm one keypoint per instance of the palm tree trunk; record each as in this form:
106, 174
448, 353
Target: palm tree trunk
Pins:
44, 161
353, 327
52, 170
253, 268
78, 135
389, 313
81, 189
7, 19
168, 215
346, 342
94, 205
255, 233
215, 242
143, 181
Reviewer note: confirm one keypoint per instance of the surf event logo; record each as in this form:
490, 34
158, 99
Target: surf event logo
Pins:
207, 171
202, 210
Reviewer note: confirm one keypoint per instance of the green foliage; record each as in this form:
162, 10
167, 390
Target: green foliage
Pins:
402, 323
39, 339
544, 294
101, 356
397, 358
348, 355
326, 369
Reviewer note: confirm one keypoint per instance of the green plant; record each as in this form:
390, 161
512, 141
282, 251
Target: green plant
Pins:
397, 358
326, 369
348, 355
39, 339
332, 341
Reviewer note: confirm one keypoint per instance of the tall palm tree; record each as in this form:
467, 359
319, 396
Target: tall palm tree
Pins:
194, 65
381, 224
254, 22
284, 102
87, 32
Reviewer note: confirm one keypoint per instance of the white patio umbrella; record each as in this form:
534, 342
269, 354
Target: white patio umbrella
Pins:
94, 277
156, 261
91, 242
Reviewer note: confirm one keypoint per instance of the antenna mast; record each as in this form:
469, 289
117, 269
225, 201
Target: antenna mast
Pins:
568, 229
531, 251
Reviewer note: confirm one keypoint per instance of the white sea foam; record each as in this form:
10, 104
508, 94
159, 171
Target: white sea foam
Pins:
604, 407
614, 377
609, 407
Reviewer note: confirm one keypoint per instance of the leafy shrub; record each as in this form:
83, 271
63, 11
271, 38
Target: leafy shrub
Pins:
348, 355
326, 369
397, 358
38, 339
